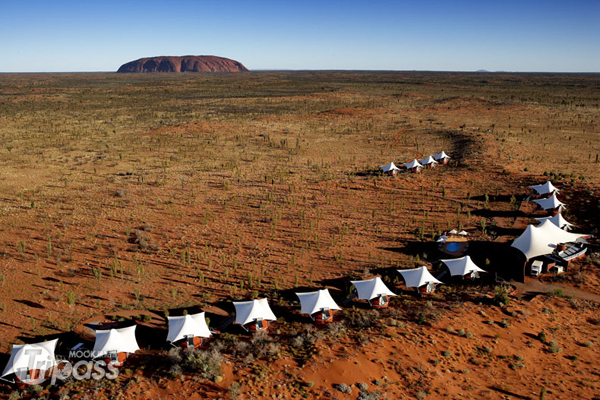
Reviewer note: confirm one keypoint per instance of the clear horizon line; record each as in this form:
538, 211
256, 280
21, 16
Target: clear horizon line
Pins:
483, 71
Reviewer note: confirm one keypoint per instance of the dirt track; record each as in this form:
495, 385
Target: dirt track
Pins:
534, 286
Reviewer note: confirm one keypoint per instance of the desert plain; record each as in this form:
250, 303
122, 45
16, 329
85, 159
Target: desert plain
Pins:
135, 197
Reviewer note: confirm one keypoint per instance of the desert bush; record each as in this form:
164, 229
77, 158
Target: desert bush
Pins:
425, 315
207, 362
360, 319
369, 396
553, 347
542, 337
35, 389
175, 371
501, 297
342, 387
362, 387
235, 389
336, 329
556, 293
461, 332
587, 343
174, 356
70, 298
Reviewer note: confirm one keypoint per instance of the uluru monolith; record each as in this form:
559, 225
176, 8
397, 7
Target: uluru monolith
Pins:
183, 64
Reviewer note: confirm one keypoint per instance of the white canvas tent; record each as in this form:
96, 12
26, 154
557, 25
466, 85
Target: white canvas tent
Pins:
453, 232
28, 357
545, 188
550, 203
462, 266
417, 277
559, 235
120, 340
186, 325
463, 233
391, 167
427, 161
313, 302
369, 289
414, 164
559, 221
541, 240
253, 310
441, 156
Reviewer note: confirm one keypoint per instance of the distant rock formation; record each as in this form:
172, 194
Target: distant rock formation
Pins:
183, 64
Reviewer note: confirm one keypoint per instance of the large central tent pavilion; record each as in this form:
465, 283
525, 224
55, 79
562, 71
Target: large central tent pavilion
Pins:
115, 344
559, 221
542, 240
463, 266
254, 315
413, 166
30, 362
551, 203
374, 291
441, 157
419, 278
390, 169
191, 327
429, 161
545, 188
319, 305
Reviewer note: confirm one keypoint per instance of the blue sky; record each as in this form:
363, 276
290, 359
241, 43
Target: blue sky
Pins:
62, 36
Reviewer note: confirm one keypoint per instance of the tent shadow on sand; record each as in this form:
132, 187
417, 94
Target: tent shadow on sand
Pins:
487, 213
425, 250
501, 198
509, 393
370, 173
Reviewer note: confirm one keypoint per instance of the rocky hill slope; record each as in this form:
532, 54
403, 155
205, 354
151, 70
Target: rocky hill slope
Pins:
183, 64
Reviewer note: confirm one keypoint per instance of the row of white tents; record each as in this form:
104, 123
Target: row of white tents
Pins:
114, 345
551, 202
416, 165
543, 239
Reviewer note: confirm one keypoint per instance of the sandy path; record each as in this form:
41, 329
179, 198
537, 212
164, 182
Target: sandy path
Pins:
535, 286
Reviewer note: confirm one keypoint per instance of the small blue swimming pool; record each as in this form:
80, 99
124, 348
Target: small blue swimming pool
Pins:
453, 246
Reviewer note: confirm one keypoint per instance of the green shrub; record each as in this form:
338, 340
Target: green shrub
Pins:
542, 337
501, 298
553, 347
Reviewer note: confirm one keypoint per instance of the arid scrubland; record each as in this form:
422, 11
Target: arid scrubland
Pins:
161, 192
